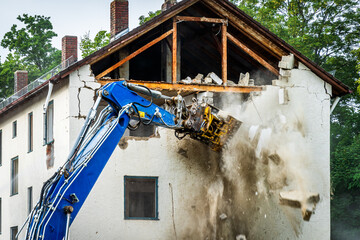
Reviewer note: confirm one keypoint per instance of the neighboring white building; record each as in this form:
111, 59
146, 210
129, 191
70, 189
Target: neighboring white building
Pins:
156, 186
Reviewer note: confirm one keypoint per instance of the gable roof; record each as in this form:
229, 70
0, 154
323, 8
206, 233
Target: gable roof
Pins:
236, 17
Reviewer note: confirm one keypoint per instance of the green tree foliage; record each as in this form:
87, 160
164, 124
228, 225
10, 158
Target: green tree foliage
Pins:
143, 19
33, 42
88, 46
328, 32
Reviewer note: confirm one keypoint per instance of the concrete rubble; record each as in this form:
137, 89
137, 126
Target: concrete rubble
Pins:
296, 199
213, 79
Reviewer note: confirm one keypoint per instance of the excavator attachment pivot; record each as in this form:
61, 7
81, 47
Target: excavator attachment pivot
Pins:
209, 125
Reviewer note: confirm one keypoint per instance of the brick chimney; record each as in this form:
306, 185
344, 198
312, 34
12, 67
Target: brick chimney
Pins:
20, 80
119, 16
167, 4
69, 48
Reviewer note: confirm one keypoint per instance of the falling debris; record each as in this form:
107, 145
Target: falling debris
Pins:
223, 216
306, 201
240, 237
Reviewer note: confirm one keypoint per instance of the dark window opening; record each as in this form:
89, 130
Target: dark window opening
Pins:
30, 199
141, 198
14, 129
14, 176
13, 232
49, 123
30, 132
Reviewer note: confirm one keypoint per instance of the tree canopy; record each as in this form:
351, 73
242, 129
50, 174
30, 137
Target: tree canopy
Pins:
143, 19
30, 49
88, 46
32, 42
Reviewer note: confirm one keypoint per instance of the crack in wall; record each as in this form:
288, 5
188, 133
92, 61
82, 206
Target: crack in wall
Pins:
85, 86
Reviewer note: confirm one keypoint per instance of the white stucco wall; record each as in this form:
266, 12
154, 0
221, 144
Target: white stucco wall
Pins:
185, 203
32, 165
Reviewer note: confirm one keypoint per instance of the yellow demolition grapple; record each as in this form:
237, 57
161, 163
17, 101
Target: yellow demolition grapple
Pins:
209, 125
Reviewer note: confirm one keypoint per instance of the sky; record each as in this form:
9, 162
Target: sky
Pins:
70, 17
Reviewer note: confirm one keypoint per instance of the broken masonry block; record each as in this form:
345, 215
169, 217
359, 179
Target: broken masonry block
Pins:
244, 79
296, 199
231, 83
187, 80
207, 80
215, 78
287, 62
285, 73
199, 76
283, 97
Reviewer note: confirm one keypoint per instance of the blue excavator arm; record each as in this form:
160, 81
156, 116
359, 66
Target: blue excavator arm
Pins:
63, 195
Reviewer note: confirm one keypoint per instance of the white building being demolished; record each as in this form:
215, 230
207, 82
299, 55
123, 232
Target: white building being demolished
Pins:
273, 174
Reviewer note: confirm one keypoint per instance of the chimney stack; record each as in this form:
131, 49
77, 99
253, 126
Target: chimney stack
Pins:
167, 4
20, 80
69, 48
119, 16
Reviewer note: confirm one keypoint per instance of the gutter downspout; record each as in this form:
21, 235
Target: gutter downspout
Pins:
333, 106
46, 104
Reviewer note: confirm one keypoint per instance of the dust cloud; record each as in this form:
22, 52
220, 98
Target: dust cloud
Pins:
241, 186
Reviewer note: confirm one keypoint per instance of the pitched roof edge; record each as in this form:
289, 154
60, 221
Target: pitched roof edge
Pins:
315, 68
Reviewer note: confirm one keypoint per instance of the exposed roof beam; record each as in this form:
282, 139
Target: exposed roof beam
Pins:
201, 19
252, 54
246, 29
134, 54
189, 87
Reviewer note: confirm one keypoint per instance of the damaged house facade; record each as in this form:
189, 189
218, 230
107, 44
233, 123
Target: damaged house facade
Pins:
273, 174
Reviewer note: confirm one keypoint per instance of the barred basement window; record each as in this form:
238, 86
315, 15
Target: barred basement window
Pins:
141, 198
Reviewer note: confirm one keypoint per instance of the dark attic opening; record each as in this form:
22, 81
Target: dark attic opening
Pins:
195, 41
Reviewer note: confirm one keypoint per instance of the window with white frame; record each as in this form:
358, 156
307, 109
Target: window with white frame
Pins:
141, 197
